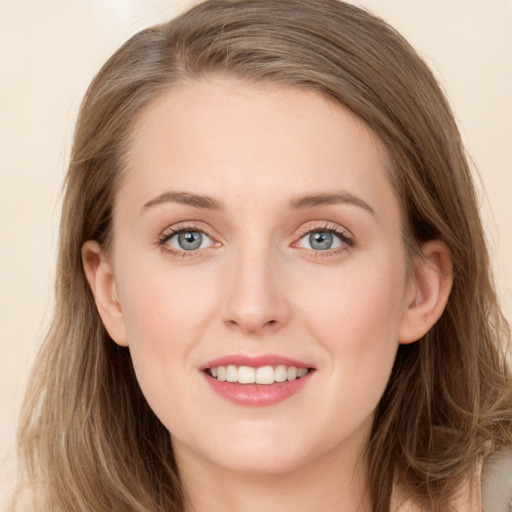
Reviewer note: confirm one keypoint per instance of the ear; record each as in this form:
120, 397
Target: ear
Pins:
428, 290
100, 277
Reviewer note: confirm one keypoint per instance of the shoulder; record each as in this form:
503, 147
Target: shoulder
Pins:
489, 489
497, 481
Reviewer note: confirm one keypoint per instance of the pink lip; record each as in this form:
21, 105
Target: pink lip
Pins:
256, 395
255, 361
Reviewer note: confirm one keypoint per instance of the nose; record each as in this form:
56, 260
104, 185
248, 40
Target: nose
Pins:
255, 302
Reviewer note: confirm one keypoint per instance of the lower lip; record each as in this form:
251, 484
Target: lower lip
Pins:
257, 395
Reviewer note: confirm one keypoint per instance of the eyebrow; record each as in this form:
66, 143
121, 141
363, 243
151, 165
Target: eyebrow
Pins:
310, 201
298, 203
187, 198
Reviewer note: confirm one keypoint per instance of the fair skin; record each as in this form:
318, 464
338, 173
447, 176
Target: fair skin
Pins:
257, 284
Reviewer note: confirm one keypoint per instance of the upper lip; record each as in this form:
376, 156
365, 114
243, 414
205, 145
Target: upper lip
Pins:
255, 361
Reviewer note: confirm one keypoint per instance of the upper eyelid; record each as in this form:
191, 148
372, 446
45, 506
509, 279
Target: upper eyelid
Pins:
325, 226
171, 231
304, 229
345, 236
162, 240
185, 226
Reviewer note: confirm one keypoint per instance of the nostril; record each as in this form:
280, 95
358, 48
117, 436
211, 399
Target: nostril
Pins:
254, 321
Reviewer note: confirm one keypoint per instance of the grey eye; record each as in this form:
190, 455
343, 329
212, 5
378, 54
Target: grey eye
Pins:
321, 240
189, 240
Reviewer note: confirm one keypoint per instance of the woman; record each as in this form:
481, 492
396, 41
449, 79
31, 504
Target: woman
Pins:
273, 287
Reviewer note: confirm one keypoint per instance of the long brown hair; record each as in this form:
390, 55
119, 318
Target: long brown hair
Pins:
88, 440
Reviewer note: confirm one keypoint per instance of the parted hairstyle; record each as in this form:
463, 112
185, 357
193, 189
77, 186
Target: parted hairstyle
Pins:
88, 441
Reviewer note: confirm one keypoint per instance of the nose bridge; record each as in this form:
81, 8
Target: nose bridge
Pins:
255, 300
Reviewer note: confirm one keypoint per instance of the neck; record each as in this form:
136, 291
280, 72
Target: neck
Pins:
332, 481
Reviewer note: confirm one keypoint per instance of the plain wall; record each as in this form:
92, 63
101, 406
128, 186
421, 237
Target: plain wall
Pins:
50, 50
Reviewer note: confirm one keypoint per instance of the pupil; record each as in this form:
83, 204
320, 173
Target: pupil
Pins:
320, 240
190, 240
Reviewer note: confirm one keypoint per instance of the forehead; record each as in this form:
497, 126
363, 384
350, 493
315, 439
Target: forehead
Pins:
224, 137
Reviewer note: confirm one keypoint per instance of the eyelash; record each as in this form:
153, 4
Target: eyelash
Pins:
347, 240
345, 237
171, 232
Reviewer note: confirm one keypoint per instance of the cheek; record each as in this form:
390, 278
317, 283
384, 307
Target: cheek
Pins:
356, 319
165, 319
357, 300
161, 304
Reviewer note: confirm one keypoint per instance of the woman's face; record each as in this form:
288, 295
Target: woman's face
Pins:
256, 228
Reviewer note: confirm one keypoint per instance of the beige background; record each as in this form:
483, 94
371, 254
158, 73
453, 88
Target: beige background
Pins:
49, 51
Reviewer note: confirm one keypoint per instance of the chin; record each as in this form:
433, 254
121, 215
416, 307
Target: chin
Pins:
261, 461
252, 449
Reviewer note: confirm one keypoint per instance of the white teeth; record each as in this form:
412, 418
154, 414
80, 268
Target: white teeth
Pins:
291, 374
265, 375
280, 373
231, 373
221, 373
246, 375
262, 375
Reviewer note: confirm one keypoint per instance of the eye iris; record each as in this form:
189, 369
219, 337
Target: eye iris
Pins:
321, 240
190, 240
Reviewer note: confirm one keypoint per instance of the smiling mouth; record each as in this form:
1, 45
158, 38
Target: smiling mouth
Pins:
261, 375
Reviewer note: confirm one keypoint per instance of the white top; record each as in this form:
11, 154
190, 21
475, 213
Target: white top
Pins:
489, 490
497, 481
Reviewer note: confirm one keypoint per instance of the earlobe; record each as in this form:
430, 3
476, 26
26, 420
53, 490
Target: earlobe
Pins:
100, 277
429, 287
